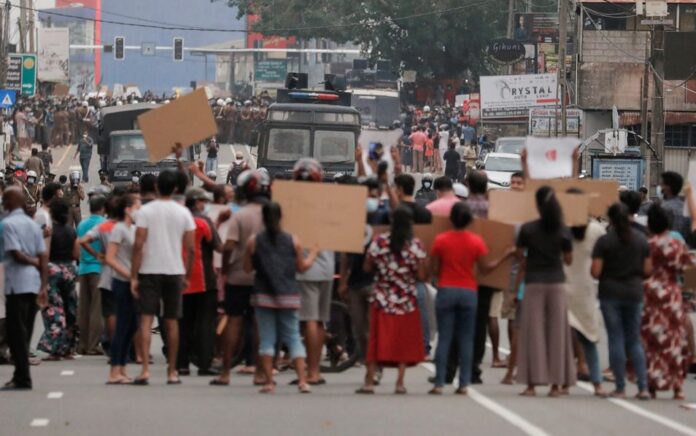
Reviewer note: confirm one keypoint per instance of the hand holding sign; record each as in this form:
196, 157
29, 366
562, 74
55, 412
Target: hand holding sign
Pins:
548, 158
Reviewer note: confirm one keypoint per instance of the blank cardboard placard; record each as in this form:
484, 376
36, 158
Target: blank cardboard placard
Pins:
691, 178
499, 237
603, 193
515, 207
548, 158
329, 216
187, 120
690, 279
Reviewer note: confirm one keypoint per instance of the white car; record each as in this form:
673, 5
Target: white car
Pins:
510, 144
500, 167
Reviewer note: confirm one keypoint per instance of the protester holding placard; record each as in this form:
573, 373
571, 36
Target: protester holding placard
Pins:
395, 338
454, 255
545, 354
620, 260
276, 256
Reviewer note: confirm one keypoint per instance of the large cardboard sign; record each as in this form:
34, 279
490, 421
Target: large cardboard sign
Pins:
517, 207
603, 193
187, 121
499, 237
549, 158
329, 216
54, 54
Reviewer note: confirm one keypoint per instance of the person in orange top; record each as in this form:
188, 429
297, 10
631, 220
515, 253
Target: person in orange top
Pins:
193, 301
429, 151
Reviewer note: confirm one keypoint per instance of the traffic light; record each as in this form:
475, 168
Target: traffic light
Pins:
119, 48
179, 49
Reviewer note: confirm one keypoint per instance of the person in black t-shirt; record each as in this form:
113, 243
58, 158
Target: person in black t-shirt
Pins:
452, 159
402, 194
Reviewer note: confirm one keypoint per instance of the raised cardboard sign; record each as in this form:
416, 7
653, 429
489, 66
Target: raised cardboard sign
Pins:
548, 158
498, 236
516, 207
329, 216
186, 121
603, 193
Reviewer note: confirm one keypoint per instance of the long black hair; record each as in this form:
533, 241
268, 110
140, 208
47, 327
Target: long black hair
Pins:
272, 214
578, 232
549, 209
401, 228
619, 217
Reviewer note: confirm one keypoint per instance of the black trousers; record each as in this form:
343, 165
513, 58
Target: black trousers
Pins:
21, 311
483, 308
197, 330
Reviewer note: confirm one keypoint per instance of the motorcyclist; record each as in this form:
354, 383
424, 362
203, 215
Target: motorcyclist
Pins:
426, 194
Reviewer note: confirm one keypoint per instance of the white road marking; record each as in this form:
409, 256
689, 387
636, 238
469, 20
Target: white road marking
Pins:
505, 413
54, 395
39, 422
674, 425
67, 152
67, 373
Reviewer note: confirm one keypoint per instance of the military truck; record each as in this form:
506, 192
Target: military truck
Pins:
121, 145
306, 123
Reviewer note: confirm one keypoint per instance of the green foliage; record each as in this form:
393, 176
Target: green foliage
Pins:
440, 38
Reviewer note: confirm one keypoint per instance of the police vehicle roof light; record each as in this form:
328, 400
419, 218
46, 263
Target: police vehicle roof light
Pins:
313, 96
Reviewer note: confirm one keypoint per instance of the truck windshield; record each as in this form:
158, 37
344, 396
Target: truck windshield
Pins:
288, 144
130, 148
334, 146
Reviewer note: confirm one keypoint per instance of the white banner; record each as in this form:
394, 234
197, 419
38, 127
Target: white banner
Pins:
513, 96
54, 54
550, 158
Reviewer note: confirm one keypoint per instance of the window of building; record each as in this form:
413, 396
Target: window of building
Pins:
679, 136
602, 16
687, 18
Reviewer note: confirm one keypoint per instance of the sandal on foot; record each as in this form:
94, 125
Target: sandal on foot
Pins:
267, 389
528, 393
365, 391
304, 389
435, 391
141, 381
218, 382
400, 390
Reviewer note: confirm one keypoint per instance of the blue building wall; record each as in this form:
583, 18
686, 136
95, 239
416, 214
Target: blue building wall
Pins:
160, 73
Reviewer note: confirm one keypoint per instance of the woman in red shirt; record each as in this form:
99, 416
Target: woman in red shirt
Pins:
454, 255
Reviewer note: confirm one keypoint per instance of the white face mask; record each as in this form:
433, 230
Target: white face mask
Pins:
658, 191
372, 205
206, 210
427, 185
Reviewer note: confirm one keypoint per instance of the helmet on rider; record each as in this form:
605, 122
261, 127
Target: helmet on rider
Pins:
75, 177
307, 170
31, 177
427, 181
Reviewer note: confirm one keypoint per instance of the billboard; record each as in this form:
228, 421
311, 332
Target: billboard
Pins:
258, 40
21, 73
513, 96
627, 172
541, 121
54, 53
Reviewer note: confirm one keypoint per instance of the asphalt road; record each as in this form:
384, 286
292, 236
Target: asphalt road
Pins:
70, 398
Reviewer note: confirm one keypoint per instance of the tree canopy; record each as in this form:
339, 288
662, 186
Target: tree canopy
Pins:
440, 38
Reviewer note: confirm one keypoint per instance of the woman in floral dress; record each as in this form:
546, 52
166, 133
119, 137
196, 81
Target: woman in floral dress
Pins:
663, 326
60, 316
396, 336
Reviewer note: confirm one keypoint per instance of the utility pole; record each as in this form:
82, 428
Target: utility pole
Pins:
644, 98
657, 124
3, 44
31, 30
510, 26
562, 48
22, 24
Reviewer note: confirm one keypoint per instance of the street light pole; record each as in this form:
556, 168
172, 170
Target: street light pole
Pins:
562, 47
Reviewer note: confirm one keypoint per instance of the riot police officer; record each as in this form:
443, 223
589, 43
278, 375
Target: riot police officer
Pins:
426, 194
74, 194
32, 190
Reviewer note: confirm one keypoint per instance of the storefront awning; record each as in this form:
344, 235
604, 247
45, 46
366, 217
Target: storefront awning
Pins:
671, 118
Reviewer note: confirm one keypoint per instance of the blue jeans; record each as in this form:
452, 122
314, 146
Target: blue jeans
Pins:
126, 322
421, 291
279, 324
622, 320
456, 317
591, 357
211, 164
84, 163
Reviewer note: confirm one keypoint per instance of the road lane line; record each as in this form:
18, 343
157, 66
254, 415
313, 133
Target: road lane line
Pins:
39, 422
674, 425
54, 395
503, 412
67, 152
67, 373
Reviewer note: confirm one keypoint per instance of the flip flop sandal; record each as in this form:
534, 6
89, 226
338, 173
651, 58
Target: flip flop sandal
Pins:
400, 391
119, 382
141, 382
304, 389
365, 391
267, 390
218, 382
174, 382
319, 382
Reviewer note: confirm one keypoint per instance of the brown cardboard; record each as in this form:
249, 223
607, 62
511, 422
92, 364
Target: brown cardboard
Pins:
329, 216
61, 90
499, 238
186, 120
603, 193
690, 279
516, 207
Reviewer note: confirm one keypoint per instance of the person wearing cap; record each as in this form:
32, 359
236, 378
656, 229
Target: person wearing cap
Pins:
461, 191
193, 335
74, 194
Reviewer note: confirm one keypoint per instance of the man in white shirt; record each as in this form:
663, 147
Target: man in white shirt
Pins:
165, 229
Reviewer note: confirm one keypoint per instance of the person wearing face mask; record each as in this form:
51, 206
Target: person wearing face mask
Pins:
118, 256
74, 193
31, 191
425, 194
